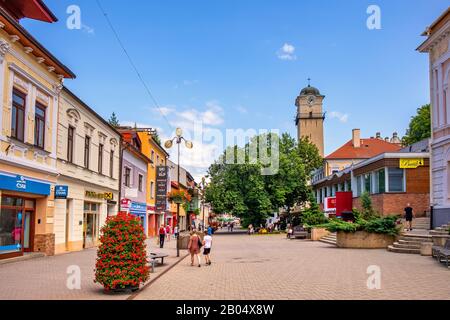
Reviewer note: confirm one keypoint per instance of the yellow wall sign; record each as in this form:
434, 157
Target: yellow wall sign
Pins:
97, 195
411, 163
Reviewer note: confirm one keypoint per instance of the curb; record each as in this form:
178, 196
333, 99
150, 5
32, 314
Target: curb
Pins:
134, 295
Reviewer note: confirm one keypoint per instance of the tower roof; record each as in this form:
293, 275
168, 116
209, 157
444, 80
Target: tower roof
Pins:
310, 91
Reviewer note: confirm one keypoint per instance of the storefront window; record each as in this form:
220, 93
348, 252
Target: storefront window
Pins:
358, 186
396, 180
16, 216
380, 181
368, 183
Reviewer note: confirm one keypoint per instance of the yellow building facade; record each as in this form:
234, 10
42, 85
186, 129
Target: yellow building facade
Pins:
158, 157
30, 84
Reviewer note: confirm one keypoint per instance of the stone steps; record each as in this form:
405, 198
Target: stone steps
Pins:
329, 239
409, 243
403, 250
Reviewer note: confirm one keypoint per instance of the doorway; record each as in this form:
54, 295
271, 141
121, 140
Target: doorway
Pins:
90, 225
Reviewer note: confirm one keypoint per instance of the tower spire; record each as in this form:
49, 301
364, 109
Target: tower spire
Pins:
309, 82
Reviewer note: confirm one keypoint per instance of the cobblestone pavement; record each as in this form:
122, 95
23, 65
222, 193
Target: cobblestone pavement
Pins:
272, 267
45, 278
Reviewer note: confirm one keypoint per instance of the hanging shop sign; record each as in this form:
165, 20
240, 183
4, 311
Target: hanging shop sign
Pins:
411, 163
161, 187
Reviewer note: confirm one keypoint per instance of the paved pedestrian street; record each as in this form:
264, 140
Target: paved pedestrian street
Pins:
272, 267
244, 267
46, 278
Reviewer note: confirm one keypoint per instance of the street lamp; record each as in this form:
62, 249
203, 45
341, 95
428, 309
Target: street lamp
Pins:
168, 144
203, 185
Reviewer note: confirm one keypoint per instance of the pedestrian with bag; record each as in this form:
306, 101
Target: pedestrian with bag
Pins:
194, 247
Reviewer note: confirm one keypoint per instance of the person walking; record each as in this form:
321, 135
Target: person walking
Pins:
168, 232
409, 215
207, 243
175, 232
162, 236
194, 247
210, 230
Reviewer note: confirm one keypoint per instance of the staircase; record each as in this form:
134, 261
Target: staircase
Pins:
410, 243
420, 223
329, 239
442, 230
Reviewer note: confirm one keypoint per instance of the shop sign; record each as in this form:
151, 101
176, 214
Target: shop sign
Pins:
330, 204
138, 208
411, 163
23, 184
100, 195
61, 192
125, 204
161, 187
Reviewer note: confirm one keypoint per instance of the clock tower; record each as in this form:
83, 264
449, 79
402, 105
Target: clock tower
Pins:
310, 116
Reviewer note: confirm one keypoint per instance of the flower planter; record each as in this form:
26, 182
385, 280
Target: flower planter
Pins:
120, 290
363, 240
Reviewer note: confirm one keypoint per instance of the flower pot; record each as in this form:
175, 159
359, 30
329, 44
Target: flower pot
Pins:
124, 289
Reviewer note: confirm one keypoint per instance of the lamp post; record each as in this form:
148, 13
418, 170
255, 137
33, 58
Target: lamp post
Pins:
203, 185
168, 144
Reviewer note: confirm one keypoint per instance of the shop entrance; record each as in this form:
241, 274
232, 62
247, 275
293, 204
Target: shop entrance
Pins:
16, 226
90, 224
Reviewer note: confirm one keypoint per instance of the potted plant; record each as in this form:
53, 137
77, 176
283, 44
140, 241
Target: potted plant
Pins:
179, 196
122, 256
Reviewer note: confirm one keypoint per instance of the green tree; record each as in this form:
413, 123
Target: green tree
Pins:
242, 190
113, 121
419, 127
368, 211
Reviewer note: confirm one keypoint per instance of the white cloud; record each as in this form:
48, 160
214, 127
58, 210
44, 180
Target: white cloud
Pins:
342, 117
287, 52
241, 109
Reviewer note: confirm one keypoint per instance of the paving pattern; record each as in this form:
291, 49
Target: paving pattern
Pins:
45, 278
272, 267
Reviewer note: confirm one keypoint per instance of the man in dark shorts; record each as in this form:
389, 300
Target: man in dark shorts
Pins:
409, 216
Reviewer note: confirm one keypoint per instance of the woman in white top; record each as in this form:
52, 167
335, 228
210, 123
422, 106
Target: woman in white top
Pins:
207, 242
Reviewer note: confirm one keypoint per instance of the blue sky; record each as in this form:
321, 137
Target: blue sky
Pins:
222, 61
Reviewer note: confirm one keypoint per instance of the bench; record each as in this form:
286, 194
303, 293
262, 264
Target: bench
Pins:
299, 232
442, 253
153, 259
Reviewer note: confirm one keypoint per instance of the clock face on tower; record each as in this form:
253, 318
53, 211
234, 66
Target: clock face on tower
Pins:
311, 100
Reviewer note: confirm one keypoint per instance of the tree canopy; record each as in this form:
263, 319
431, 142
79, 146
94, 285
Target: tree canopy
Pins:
419, 126
242, 190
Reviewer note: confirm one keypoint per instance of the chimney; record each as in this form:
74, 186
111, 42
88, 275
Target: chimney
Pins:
386, 139
356, 138
378, 135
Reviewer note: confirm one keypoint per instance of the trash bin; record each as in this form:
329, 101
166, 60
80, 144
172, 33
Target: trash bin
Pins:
348, 216
426, 248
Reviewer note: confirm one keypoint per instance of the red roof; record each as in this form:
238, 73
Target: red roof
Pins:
33, 9
369, 149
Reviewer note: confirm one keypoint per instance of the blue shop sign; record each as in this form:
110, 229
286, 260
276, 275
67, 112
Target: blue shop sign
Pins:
23, 184
138, 208
61, 192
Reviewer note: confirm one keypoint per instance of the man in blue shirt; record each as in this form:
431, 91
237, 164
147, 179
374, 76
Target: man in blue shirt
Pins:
210, 230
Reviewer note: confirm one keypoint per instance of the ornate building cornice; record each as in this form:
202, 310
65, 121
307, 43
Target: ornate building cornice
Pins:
4, 48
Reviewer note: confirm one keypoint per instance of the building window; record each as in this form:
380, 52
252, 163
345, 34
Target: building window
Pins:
141, 178
111, 163
39, 126
157, 159
380, 181
127, 177
152, 157
368, 183
87, 147
358, 186
396, 178
18, 116
152, 187
349, 185
70, 137
100, 158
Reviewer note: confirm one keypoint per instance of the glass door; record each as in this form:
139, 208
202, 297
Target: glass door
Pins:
27, 225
